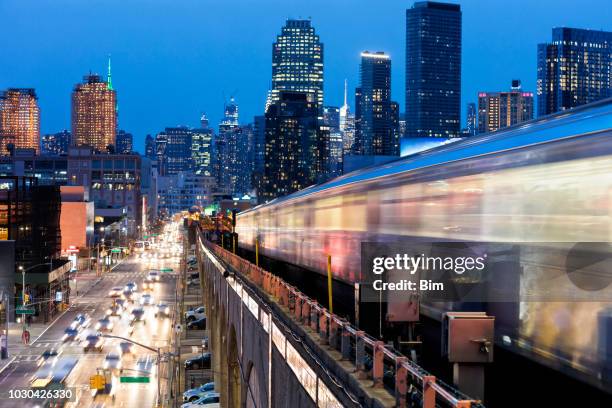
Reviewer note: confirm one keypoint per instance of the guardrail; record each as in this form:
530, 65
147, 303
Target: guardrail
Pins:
409, 383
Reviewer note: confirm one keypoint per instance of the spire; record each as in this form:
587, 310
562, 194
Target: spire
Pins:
109, 80
345, 90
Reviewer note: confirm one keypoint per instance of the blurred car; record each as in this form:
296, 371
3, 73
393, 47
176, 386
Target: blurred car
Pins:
195, 314
210, 400
154, 275
132, 286
47, 355
114, 310
115, 292
197, 362
125, 347
71, 333
120, 302
138, 315
81, 321
104, 325
197, 393
146, 299
148, 283
162, 310
129, 295
93, 342
112, 361
199, 324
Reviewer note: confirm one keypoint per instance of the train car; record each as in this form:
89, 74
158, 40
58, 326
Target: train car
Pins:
545, 184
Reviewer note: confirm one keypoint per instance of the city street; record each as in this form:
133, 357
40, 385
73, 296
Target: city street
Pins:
153, 332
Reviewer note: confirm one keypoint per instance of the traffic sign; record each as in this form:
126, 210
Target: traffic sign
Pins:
24, 311
116, 250
97, 382
166, 270
134, 379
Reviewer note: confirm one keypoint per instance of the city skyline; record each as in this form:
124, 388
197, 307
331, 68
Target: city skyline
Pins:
141, 55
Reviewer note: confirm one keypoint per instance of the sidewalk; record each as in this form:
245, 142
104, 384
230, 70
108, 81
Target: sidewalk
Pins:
86, 280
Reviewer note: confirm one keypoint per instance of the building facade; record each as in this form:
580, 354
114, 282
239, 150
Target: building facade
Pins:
295, 154
433, 70
125, 142
201, 151
574, 69
173, 149
471, 128
94, 114
19, 120
181, 191
297, 61
150, 151
56, 143
377, 117
498, 110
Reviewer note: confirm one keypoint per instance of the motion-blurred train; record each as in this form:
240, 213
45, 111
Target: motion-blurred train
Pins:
545, 184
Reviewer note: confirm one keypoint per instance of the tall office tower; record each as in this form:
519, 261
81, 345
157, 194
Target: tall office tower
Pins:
226, 148
56, 143
472, 119
173, 147
295, 154
331, 117
574, 69
150, 147
498, 110
259, 152
245, 160
297, 62
433, 70
204, 121
19, 120
376, 118
201, 151
345, 109
125, 143
94, 114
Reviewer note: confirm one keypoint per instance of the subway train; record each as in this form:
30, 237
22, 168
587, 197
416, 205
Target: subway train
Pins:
543, 185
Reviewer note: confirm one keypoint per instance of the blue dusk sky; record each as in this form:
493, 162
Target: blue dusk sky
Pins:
173, 59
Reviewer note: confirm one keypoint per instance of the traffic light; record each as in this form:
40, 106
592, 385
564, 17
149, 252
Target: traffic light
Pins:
97, 382
26, 299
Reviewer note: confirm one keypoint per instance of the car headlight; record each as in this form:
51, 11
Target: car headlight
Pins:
97, 326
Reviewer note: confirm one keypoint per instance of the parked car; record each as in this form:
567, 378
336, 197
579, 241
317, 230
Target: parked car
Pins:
199, 324
198, 362
210, 400
195, 314
198, 392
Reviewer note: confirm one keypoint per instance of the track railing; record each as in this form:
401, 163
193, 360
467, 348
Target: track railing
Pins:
411, 385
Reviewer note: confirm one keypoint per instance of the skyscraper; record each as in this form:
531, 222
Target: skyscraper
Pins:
574, 69
331, 117
173, 148
56, 143
125, 142
259, 152
94, 115
19, 120
472, 119
433, 70
347, 123
297, 61
150, 147
226, 148
376, 119
201, 151
295, 147
498, 110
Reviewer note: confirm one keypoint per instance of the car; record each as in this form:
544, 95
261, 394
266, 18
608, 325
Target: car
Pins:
129, 295
71, 333
193, 281
125, 347
148, 283
104, 325
112, 361
115, 292
131, 286
210, 400
93, 342
146, 299
81, 321
197, 393
48, 355
120, 302
154, 275
199, 324
138, 315
162, 310
200, 361
195, 314
114, 310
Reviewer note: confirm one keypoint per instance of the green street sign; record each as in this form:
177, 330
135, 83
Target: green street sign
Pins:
134, 379
24, 311
116, 250
166, 270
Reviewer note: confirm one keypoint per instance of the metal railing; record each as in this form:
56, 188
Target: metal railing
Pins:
409, 383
